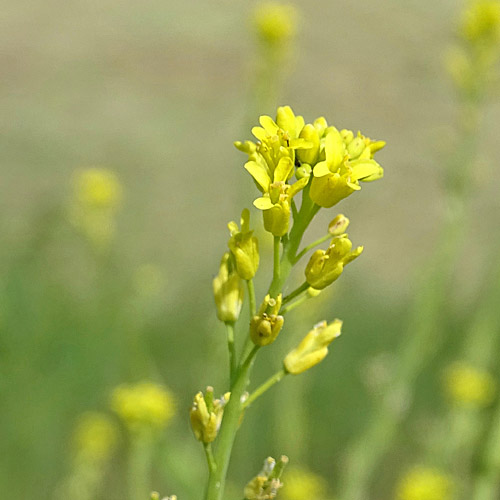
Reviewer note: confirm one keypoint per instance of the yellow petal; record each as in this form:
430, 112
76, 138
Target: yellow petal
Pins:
283, 170
263, 203
321, 169
259, 173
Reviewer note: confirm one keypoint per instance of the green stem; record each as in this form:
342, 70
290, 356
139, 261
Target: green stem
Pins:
251, 297
487, 485
276, 258
295, 304
319, 241
212, 465
228, 429
140, 460
304, 217
302, 288
264, 387
232, 351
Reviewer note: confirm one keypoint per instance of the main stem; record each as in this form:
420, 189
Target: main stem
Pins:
228, 429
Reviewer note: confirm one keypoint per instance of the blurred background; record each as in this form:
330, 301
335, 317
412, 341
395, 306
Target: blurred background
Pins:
155, 93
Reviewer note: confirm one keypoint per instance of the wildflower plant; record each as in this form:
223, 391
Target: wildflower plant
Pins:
290, 160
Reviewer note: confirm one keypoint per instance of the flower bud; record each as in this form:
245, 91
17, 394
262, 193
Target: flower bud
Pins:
266, 325
206, 415
310, 134
228, 290
303, 172
266, 484
244, 247
313, 348
338, 225
324, 267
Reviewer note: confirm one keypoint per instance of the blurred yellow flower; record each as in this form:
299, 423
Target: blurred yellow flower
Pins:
468, 386
302, 484
422, 483
143, 406
95, 437
97, 188
275, 23
481, 22
97, 195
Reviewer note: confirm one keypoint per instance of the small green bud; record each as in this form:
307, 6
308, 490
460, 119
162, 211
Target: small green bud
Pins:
304, 171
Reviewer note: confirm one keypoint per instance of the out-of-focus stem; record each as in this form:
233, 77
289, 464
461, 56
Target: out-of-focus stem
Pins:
424, 336
233, 361
264, 387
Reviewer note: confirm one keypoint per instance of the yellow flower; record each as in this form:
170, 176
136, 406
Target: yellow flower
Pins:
348, 160
98, 188
267, 324
421, 483
301, 484
97, 196
228, 290
324, 267
468, 386
95, 437
481, 22
275, 23
143, 406
206, 415
244, 247
313, 348
338, 225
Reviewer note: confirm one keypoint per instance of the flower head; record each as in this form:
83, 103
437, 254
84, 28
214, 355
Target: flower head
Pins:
422, 483
267, 324
275, 23
206, 415
95, 437
300, 483
468, 386
143, 406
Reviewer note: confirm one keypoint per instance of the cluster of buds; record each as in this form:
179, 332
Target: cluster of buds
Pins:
206, 415
267, 324
266, 484
287, 148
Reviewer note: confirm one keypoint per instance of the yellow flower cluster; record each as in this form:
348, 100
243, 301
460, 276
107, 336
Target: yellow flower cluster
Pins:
300, 483
481, 22
421, 483
472, 63
143, 406
288, 148
466, 385
95, 437
97, 197
275, 23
